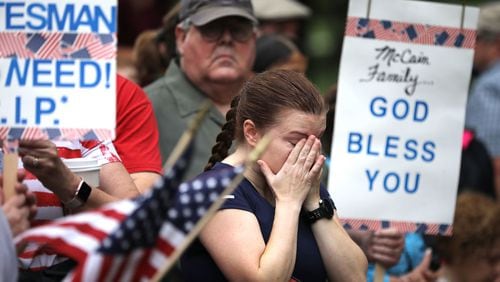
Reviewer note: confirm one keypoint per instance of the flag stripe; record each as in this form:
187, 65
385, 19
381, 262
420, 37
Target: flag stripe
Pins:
69, 153
144, 261
125, 273
78, 275
47, 199
92, 268
166, 247
107, 263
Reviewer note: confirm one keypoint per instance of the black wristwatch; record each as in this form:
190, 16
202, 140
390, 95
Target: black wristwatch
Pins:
81, 196
326, 210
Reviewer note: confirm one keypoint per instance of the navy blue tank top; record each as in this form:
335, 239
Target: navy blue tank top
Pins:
197, 265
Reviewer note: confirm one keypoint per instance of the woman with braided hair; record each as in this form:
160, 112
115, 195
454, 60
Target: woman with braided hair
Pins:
279, 224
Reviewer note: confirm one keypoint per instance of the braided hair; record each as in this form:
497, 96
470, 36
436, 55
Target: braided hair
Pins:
225, 138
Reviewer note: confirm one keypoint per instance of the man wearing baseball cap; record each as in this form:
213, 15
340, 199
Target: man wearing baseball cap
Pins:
215, 52
284, 17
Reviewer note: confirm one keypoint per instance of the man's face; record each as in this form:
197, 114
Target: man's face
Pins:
222, 51
289, 28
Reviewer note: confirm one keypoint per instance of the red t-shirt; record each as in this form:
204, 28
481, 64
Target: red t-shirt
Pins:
136, 129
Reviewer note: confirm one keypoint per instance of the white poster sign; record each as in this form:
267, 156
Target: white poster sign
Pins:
57, 69
403, 82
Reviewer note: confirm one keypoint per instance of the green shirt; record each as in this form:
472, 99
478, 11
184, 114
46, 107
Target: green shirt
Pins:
176, 101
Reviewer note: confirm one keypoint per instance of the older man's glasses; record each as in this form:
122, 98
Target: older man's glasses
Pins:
241, 30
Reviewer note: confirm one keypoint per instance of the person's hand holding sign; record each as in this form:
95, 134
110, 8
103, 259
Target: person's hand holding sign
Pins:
385, 246
19, 209
41, 159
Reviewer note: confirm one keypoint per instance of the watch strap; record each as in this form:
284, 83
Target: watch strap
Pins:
326, 209
82, 194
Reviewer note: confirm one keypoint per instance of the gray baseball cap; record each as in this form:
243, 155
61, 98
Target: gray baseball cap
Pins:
489, 19
201, 12
280, 9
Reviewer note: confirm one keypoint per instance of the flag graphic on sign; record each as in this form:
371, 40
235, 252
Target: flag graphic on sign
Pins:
57, 45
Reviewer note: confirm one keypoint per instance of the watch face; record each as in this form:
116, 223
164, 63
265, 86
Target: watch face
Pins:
328, 207
84, 192
81, 196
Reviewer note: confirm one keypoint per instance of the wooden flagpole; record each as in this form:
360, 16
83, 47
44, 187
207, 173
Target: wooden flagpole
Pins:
379, 273
191, 236
379, 269
10, 162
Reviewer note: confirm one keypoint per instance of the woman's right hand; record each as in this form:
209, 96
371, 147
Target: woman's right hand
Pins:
298, 174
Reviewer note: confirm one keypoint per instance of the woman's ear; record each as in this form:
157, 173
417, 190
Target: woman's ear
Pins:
180, 36
250, 133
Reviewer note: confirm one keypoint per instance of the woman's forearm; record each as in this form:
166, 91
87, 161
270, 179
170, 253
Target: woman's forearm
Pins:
343, 258
278, 259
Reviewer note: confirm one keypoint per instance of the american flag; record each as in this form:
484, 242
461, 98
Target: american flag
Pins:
50, 49
130, 240
13, 44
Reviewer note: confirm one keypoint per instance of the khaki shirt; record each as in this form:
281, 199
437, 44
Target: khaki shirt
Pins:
176, 101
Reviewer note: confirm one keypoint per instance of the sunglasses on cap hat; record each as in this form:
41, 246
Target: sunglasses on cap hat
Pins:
240, 29
202, 12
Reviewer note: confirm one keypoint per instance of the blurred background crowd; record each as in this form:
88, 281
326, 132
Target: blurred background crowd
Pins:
317, 27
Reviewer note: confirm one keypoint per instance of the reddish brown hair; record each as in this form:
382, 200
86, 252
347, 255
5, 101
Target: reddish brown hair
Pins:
261, 100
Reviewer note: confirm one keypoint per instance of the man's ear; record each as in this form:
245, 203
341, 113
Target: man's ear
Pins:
250, 133
180, 37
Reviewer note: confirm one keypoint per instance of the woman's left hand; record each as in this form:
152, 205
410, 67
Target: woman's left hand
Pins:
41, 159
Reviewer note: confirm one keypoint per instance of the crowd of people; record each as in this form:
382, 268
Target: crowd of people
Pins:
281, 223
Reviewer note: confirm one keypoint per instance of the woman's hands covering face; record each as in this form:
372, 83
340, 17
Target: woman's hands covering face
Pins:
299, 177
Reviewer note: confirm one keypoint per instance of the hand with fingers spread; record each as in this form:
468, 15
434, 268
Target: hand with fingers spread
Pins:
19, 209
40, 157
299, 174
